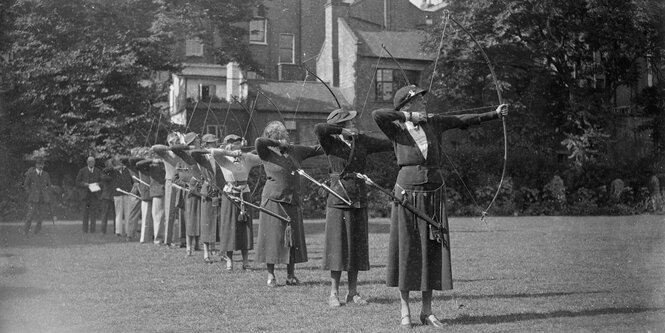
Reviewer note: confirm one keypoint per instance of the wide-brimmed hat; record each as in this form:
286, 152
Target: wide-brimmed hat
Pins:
340, 116
209, 138
231, 138
189, 137
405, 94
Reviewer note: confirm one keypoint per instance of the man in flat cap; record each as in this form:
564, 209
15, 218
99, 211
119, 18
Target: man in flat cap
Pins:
37, 184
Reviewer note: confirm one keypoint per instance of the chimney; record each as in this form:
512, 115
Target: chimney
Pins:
334, 10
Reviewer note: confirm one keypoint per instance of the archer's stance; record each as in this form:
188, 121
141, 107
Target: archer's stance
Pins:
281, 242
416, 260
346, 245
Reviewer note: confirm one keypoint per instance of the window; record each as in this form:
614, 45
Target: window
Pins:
286, 48
193, 47
389, 80
257, 30
206, 92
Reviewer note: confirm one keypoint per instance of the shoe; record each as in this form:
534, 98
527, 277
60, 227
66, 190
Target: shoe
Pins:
246, 267
189, 254
272, 282
229, 264
207, 260
431, 319
355, 299
292, 281
405, 322
333, 301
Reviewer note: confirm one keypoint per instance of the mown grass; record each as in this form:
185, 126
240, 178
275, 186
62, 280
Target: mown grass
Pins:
526, 274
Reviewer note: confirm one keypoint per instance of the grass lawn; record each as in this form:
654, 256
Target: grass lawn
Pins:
523, 274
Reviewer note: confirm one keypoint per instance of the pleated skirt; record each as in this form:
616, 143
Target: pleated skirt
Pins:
193, 216
416, 262
209, 221
346, 246
270, 245
234, 234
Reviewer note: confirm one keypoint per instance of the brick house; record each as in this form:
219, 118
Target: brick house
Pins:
340, 41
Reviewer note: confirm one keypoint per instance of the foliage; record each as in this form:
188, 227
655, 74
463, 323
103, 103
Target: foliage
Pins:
548, 56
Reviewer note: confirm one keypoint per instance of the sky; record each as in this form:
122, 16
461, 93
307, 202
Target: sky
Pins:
419, 2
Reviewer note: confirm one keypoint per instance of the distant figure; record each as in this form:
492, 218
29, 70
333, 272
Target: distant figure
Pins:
106, 198
88, 179
37, 184
123, 202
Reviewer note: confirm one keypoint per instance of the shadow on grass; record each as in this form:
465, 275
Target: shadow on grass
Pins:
320, 227
514, 317
509, 296
20, 292
59, 236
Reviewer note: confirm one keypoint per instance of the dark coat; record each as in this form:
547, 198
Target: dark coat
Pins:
85, 177
347, 160
38, 187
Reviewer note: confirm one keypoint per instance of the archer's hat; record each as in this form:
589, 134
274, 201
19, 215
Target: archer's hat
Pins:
231, 138
405, 94
189, 138
209, 138
340, 116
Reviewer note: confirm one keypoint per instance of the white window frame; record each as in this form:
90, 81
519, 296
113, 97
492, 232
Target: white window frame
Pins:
193, 47
293, 48
265, 31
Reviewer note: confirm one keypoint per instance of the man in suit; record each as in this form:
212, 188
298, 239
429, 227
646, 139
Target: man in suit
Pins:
88, 179
37, 184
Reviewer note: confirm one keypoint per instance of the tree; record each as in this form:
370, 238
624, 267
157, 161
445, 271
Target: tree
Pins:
559, 62
83, 72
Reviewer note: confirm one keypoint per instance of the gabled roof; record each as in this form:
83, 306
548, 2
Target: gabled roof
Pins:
401, 44
290, 96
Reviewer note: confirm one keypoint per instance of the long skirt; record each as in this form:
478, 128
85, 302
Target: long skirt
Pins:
193, 215
270, 246
346, 245
209, 220
415, 261
234, 234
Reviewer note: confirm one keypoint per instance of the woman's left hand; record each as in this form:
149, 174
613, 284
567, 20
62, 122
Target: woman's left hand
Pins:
502, 110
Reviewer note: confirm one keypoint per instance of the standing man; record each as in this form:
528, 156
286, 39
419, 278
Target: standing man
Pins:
89, 179
122, 201
37, 184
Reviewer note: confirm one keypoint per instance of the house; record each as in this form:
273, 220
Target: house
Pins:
338, 41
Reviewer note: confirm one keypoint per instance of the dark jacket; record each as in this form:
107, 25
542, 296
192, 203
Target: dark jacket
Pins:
347, 160
38, 187
84, 177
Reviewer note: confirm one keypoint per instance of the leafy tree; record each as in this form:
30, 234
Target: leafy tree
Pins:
550, 57
81, 77
83, 72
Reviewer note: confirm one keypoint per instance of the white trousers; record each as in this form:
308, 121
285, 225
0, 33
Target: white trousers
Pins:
158, 219
146, 221
123, 223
